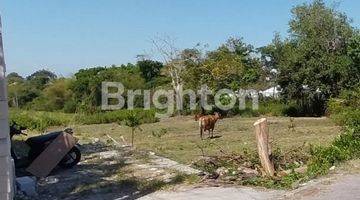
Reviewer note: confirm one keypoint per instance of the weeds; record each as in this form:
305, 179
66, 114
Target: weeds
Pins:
236, 164
40, 121
319, 159
145, 116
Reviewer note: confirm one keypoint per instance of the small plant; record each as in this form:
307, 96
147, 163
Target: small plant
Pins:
133, 121
291, 125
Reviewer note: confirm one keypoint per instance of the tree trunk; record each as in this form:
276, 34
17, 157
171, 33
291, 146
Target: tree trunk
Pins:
264, 149
132, 137
179, 99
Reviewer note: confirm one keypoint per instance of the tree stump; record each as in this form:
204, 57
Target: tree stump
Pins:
264, 149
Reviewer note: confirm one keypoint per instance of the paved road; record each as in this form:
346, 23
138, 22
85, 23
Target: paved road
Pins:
343, 187
213, 193
340, 187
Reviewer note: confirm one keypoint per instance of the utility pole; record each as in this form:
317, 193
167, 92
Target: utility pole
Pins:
6, 162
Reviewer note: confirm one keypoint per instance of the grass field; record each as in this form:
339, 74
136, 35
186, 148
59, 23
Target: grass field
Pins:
178, 138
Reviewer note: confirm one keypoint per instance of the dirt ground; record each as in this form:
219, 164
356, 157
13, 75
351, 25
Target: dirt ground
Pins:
111, 172
116, 174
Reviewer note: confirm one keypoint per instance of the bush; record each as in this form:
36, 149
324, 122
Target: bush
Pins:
291, 110
344, 111
271, 108
146, 116
345, 147
70, 106
266, 107
40, 121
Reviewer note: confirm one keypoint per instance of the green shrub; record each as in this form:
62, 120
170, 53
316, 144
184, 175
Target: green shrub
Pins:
35, 120
70, 106
291, 110
271, 108
344, 111
39, 120
146, 116
344, 147
266, 107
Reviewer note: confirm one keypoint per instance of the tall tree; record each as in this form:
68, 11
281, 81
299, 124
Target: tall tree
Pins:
15, 86
40, 78
149, 69
87, 84
232, 66
54, 96
174, 64
312, 64
14, 78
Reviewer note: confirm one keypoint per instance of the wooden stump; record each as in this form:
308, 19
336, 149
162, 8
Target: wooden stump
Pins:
264, 149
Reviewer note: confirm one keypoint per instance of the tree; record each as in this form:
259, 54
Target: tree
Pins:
149, 69
87, 84
193, 59
312, 63
230, 66
40, 78
173, 62
133, 121
54, 96
14, 78
270, 58
353, 51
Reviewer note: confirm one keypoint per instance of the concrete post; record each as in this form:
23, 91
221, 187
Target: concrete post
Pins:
6, 162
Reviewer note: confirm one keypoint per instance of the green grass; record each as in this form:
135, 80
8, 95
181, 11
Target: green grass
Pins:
178, 138
182, 142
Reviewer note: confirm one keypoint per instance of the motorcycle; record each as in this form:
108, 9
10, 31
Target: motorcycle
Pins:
38, 144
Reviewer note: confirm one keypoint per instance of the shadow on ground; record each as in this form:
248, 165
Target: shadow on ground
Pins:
102, 174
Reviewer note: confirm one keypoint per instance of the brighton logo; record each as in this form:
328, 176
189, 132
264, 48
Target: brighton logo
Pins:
171, 100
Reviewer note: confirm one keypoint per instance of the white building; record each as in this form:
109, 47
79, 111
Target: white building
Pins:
271, 92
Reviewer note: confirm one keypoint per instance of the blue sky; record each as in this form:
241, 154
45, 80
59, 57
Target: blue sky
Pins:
66, 35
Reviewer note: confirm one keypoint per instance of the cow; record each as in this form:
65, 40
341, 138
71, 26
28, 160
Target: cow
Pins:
207, 123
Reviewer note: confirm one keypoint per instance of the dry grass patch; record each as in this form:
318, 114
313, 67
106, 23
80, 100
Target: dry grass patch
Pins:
178, 138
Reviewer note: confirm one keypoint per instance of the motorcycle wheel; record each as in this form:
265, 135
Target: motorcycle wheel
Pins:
71, 159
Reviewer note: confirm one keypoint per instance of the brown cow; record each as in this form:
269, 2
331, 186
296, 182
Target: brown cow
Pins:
197, 116
207, 123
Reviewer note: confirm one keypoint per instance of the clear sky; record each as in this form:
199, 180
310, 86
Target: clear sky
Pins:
66, 35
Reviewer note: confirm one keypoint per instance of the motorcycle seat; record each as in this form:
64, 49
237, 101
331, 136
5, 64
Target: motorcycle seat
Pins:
42, 139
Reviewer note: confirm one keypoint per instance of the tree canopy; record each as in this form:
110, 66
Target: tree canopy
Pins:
317, 60
313, 63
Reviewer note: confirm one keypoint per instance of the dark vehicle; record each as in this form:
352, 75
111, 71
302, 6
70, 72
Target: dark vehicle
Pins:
38, 144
